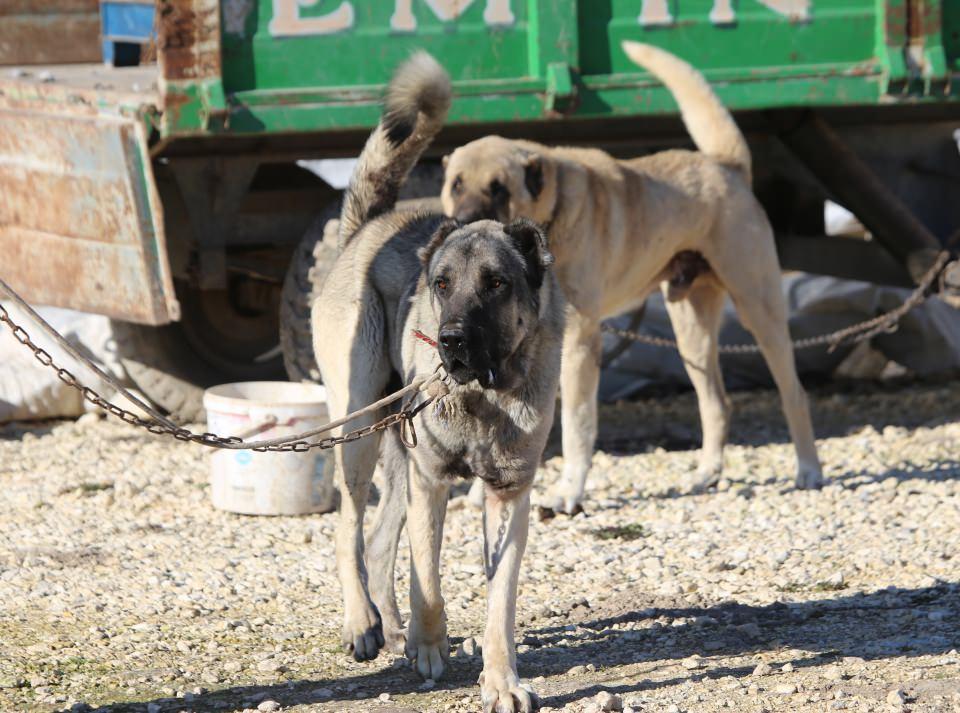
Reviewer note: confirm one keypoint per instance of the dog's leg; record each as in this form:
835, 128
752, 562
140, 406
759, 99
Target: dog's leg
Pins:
381, 554
427, 645
506, 518
355, 370
754, 285
579, 379
696, 323
476, 495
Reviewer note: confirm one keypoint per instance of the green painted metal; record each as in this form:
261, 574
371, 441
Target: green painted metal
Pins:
288, 66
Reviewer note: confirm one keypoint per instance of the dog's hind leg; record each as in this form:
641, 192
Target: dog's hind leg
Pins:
355, 370
506, 520
696, 323
749, 269
381, 554
427, 644
579, 379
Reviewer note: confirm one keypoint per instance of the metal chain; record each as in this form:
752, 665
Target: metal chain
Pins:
299, 443
851, 335
296, 443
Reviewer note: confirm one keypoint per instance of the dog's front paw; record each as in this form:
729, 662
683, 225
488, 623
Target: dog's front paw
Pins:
809, 477
363, 635
502, 692
556, 501
428, 654
705, 478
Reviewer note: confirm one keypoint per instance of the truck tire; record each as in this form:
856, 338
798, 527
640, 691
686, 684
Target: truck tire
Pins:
313, 259
213, 344
308, 269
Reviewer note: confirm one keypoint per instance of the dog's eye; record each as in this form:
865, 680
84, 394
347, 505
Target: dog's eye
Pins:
496, 283
497, 189
457, 185
441, 284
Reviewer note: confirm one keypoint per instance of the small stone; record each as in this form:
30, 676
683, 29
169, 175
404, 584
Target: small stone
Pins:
269, 666
268, 706
896, 697
692, 662
384, 698
672, 708
608, 701
763, 669
785, 689
577, 671
833, 673
787, 667
469, 647
45, 76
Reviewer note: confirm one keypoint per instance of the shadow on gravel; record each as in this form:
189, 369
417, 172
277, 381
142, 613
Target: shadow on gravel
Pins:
887, 623
947, 469
15, 430
883, 624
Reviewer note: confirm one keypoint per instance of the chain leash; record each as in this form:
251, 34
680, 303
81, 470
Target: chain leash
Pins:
161, 427
860, 332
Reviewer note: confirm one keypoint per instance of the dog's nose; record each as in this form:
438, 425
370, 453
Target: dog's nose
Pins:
453, 339
470, 215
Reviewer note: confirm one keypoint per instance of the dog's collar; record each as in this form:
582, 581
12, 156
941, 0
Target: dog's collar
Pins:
424, 338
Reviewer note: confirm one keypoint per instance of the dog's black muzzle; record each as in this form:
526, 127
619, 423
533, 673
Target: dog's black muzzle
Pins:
464, 355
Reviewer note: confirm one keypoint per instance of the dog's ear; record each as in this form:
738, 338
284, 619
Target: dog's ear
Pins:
445, 161
531, 242
533, 175
436, 240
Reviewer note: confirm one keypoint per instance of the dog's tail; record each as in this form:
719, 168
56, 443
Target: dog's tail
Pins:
710, 125
417, 101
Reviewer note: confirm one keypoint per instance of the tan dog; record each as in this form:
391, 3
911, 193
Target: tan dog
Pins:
684, 220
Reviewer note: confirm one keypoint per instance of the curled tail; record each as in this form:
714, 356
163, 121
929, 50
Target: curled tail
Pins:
710, 125
417, 101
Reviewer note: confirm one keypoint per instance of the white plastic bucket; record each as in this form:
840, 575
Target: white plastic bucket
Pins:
252, 483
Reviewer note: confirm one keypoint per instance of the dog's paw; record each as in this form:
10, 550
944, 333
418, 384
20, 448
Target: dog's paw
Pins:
556, 502
705, 478
363, 635
429, 659
809, 478
502, 692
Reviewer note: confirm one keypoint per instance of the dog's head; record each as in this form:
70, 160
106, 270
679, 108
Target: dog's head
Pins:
498, 179
486, 283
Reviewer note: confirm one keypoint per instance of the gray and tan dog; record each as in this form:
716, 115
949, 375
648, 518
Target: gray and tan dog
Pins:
686, 221
485, 292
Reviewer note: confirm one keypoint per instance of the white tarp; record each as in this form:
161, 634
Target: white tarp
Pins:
29, 390
927, 341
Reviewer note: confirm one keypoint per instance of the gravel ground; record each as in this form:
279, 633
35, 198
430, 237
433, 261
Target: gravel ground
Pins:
121, 588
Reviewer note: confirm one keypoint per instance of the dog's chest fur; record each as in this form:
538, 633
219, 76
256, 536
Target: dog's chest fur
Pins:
479, 434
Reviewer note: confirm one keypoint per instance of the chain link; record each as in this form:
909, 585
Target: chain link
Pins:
296, 443
886, 322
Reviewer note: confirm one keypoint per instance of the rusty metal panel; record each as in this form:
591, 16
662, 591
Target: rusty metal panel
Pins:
49, 31
188, 39
80, 221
